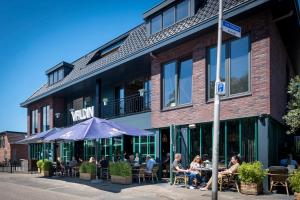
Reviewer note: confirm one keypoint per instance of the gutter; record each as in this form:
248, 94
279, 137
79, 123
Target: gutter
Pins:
190, 31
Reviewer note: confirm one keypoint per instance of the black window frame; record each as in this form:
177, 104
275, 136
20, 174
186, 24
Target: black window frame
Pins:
177, 77
228, 94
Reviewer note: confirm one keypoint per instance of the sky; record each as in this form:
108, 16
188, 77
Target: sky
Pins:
35, 35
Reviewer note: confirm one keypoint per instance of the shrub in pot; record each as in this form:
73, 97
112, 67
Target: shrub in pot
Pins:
87, 171
39, 164
251, 176
294, 180
46, 167
120, 172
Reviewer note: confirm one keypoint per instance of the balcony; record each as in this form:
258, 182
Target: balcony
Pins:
129, 105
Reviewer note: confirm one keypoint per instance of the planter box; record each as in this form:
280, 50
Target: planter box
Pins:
251, 188
45, 173
87, 176
296, 196
121, 180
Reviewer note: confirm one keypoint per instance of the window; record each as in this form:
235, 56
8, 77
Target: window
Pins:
46, 118
2, 141
234, 67
169, 17
156, 24
182, 10
34, 121
60, 74
181, 73
87, 102
144, 145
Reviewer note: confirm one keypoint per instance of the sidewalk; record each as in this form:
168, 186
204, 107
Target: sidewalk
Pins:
74, 188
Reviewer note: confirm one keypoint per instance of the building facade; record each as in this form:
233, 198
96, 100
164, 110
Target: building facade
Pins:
9, 150
160, 76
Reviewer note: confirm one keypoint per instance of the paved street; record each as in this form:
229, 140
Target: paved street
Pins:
33, 187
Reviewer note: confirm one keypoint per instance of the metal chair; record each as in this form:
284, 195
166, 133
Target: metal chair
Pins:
279, 177
180, 177
228, 181
139, 173
153, 174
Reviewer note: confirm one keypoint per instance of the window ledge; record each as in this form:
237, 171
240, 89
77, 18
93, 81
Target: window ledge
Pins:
177, 107
231, 97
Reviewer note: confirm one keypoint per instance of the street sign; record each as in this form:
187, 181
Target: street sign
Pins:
220, 87
231, 28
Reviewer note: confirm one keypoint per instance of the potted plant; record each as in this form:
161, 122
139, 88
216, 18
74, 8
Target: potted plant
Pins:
46, 168
120, 172
294, 180
39, 165
87, 171
251, 176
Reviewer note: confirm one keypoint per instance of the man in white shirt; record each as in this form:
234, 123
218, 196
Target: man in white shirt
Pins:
150, 163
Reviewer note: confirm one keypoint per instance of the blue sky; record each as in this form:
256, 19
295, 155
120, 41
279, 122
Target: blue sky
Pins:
36, 35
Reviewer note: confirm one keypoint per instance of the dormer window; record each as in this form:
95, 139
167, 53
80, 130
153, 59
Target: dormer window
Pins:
58, 72
168, 14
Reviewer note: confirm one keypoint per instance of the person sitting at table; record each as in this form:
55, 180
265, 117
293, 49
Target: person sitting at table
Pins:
195, 166
137, 158
73, 162
177, 167
131, 159
289, 161
233, 169
92, 160
60, 166
150, 162
104, 162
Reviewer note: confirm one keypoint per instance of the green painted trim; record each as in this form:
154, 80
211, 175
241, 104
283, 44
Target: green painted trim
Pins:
225, 145
189, 143
256, 140
200, 145
172, 128
240, 136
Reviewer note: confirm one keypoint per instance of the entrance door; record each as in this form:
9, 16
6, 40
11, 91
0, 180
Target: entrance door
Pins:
165, 152
78, 150
128, 146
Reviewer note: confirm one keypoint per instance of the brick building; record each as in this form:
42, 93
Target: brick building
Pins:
9, 151
160, 76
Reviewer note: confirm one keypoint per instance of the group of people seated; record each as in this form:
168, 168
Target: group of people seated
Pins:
194, 171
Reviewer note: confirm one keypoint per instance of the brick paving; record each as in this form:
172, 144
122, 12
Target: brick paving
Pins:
32, 186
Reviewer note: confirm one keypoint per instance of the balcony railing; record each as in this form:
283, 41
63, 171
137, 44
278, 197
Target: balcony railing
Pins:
129, 105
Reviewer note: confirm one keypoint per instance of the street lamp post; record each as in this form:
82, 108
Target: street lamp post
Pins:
216, 125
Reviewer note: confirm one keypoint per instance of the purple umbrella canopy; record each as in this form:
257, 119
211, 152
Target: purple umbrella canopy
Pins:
96, 128
39, 137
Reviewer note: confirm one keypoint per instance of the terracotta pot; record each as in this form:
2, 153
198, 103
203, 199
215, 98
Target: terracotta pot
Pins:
296, 196
87, 176
251, 188
45, 173
125, 180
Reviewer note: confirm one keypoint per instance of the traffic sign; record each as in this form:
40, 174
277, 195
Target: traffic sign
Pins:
231, 28
220, 87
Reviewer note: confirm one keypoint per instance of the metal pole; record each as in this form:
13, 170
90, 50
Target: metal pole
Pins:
217, 110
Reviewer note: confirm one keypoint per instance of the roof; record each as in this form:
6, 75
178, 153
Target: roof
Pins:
139, 43
13, 136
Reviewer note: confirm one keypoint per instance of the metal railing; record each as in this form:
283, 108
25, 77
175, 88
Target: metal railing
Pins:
126, 106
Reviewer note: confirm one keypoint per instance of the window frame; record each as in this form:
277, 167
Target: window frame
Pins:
228, 94
177, 77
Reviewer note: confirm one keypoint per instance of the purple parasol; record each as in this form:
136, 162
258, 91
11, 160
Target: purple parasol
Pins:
39, 137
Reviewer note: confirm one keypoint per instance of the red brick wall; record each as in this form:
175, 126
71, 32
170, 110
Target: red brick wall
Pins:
6, 148
258, 102
56, 105
21, 151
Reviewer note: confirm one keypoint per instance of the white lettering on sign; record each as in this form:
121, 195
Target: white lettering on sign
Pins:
82, 114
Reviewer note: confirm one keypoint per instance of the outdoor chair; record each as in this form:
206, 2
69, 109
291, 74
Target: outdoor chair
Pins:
139, 173
180, 178
104, 173
228, 181
153, 174
279, 177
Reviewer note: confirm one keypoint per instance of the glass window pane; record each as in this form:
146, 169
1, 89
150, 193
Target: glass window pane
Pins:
207, 141
213, 67
239, 66
169, 84
156, 24
233, 139
55, 77
248, 133
195, 141
169, 17
182, 10
185, 82
60, 74
222, 161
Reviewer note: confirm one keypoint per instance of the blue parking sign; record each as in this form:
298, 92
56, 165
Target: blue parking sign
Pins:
220, 87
